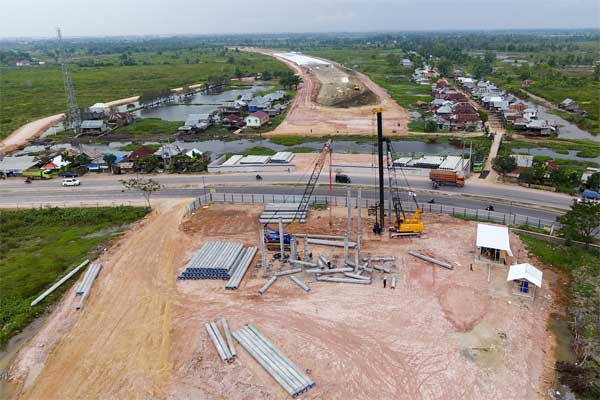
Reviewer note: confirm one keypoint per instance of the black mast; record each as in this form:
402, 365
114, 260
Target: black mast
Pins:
379, 226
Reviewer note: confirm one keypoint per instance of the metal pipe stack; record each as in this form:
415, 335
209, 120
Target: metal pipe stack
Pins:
284, 371
214, 260
241, 267
88, 280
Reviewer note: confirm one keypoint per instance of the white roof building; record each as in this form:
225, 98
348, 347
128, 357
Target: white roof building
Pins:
255, 160
523, 160
100, 108
193, 153
282, 157
525, 271
16, 164
493, 237
233, 160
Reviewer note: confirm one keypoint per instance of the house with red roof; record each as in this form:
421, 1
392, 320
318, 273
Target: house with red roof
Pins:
257, 119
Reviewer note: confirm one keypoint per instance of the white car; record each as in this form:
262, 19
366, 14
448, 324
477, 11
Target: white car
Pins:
71, 182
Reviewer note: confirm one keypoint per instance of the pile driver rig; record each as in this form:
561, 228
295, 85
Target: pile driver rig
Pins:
403, 225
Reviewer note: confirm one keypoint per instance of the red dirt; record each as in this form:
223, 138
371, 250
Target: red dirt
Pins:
440, 335
306, 117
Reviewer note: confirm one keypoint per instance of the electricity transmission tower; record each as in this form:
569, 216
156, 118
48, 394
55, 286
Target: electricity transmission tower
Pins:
73, 119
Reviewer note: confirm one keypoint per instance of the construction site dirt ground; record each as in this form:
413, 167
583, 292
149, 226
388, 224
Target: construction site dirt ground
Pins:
307, 116
441, 334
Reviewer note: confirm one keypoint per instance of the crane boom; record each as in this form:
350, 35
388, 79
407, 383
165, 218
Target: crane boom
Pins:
312, 181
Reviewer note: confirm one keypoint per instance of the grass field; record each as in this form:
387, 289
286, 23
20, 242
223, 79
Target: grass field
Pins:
37, 247
583, 266
555, 85
35, 92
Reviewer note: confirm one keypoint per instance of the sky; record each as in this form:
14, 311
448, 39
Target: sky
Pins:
34, 18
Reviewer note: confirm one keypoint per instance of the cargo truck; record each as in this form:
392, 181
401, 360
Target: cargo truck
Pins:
444, 177
37, 173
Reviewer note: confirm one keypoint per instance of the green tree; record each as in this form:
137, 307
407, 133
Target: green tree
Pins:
581, 222
267, 76
489, 57
504, 164
483, 116
430, 126
110, 159
145, 186
593, 181
444, 67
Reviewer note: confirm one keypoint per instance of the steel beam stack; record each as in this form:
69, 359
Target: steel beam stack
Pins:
215, 260
273, 212
284, 371
241, 267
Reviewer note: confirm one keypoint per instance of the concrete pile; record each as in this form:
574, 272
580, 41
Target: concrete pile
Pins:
432, 260
86, 285
284, 371
219, 260
241, 267
225, 347
60, 282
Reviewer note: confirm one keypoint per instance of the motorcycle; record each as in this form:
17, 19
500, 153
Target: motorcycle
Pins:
489, 208
258, 177
432, 201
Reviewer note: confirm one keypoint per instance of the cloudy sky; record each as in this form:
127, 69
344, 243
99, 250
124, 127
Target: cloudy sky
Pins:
136, 17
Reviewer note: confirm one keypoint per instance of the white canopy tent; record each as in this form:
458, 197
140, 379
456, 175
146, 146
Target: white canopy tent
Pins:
493, 237
522, 275
526, 271
493, 242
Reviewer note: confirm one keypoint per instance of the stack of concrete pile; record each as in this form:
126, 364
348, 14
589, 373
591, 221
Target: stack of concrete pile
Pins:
86, 285
225, 347
241, 267
284, 371
215, 260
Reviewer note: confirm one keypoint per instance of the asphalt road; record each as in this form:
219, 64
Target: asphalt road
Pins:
476, 195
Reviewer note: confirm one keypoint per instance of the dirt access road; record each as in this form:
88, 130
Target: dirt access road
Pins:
33, 130
439, 335
307, 117
119, 345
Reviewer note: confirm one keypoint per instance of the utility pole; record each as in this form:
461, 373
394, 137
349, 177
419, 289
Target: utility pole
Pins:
73, 119
379, 226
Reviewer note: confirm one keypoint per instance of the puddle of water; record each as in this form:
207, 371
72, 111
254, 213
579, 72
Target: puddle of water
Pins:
564, 338
544, 151
198, 104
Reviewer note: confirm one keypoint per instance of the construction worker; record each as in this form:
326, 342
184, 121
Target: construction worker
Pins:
384, 282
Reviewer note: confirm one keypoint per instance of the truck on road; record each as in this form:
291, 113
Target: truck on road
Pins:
37, 174
446, 177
